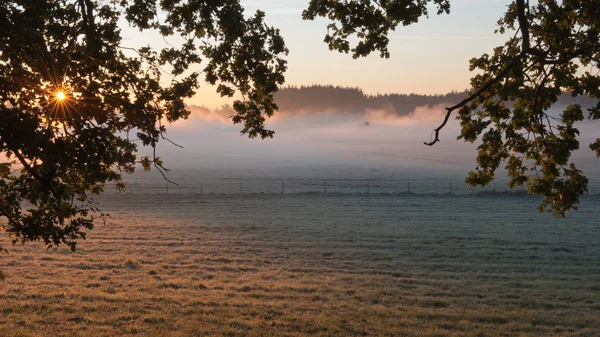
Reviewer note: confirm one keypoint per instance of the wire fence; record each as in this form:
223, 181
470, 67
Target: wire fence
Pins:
311, 186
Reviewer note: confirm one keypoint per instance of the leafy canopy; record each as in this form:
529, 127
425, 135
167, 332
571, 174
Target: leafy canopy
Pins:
555, 49
76, 102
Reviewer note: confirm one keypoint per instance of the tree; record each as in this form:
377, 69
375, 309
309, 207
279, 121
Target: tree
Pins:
555, 49
75, 102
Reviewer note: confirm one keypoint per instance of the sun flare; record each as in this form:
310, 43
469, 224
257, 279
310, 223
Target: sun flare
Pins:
60, 102
60, 96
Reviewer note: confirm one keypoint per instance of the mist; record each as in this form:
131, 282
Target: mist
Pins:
372, 138
361, 139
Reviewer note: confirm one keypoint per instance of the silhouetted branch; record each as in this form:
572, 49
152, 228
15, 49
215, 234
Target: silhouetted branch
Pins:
30, 170
145, 58
162, 135
172, 142
161, 169
525, 49
464, 102
8, 217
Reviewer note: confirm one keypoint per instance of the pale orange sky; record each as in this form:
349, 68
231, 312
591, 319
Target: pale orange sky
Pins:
429, 57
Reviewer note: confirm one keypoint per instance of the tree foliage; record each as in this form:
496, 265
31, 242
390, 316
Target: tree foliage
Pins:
555, 49
76, 102
368, 21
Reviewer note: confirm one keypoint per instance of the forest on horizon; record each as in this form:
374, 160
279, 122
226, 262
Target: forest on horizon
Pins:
318, 99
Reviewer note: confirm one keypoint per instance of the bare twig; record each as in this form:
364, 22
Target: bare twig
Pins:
170, 141
146, 59
162, 135
161, 169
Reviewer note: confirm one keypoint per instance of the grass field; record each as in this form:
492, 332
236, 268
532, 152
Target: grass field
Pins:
313, 265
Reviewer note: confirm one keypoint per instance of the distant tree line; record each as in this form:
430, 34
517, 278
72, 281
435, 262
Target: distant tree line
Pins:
318, 98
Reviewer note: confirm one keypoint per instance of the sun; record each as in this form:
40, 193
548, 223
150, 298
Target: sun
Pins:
60, 104
60, 96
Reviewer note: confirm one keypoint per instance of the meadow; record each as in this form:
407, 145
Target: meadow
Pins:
313, 265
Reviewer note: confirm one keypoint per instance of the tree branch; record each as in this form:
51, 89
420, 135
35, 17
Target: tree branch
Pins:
525, 49
160, 168
170, 141
6, 214
34, 174
478, 93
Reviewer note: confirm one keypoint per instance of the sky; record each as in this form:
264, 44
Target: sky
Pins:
426, 58
429, 57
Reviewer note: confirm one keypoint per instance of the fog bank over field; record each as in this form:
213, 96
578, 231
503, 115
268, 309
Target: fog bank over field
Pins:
324, 126
369, 139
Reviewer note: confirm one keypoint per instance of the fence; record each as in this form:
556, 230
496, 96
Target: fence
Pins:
310, 186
